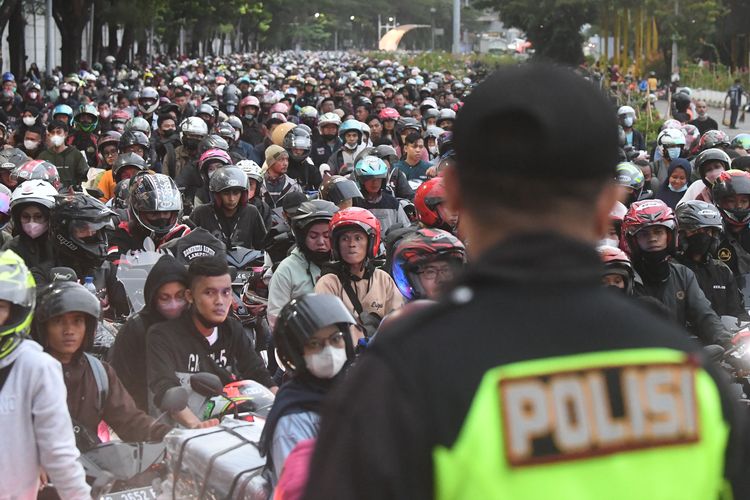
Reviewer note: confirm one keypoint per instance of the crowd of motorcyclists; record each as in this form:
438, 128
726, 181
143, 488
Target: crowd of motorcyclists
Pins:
333, 166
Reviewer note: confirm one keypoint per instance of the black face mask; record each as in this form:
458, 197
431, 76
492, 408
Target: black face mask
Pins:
654, 266
700, 244
328, 137
191, 144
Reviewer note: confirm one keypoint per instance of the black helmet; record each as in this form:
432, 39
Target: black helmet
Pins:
212, 141
63, 297
154, 193
133, 138
445, 143
12, 158
710, 155
229, 177
205, 109
122, 193
310, 212
696, 214
127, 160
386, 152
298, 138
301, 318
77, 226
408, 122
337, 189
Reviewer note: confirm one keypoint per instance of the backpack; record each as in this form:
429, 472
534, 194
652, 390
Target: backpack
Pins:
102, 381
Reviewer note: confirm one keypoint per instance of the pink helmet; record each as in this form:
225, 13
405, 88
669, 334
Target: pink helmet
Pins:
213, 155
250, 100
280, 107
389, 114
692, 136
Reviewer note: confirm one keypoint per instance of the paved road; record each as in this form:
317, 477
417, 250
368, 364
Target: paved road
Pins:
716, 114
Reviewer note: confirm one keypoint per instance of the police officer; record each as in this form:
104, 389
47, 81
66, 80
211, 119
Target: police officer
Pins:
528, 379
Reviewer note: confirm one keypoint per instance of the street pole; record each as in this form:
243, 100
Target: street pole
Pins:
49, 59
432, 22
456, 26
675, 58
91, 36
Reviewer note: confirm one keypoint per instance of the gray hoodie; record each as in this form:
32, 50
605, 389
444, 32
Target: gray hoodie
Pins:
37, 430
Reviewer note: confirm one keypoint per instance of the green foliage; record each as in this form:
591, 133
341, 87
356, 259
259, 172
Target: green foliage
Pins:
445, 61
717, 77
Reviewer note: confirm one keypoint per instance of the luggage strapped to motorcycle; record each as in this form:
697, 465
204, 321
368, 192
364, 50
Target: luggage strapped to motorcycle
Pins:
102, 382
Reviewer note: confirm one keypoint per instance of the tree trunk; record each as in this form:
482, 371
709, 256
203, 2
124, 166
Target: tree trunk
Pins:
112, 47
97, 52
6, 9
71, 17
143, 45
128, 35
16, 42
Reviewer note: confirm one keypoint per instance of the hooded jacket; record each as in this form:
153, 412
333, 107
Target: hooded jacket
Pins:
665, 194
128, 355
37, 428
244, 228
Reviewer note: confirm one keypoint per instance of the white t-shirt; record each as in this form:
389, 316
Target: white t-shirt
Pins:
213, 337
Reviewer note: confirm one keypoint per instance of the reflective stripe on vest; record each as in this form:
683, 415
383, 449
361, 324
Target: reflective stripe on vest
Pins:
630, 424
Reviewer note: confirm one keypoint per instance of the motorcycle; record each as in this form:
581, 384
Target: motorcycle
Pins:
243, 400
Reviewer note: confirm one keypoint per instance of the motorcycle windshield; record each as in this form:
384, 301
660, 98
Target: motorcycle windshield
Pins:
132, 272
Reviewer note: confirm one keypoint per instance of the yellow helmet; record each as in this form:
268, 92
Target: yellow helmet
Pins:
17, 287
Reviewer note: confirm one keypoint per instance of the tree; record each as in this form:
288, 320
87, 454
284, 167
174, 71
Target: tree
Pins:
71, 17
7, 8
552, 26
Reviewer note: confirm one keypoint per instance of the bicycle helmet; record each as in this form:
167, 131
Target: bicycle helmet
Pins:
154, 193
79, 225
301, 318
63, 297
37, 169
338, 189
355, 217
17, 287
127, 160
419, 248
617, 262
649, 213
732, 183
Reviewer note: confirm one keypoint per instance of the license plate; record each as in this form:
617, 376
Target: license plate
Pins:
146, 493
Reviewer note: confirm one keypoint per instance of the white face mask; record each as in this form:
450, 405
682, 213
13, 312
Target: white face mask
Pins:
609, 242
105, 113
327, 363
433, 149
64, 95
34, 229
714, 174
56, 140
29, 121
30, 145
33, 95
674, 153
627, 121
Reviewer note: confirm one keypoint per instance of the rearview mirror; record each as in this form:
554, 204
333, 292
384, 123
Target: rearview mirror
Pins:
206, 384
175, 399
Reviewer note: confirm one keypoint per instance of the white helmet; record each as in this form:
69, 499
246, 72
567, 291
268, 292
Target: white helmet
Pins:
625, 110
433, 131
34, 191
329, 119
252, 170
446, 114
671, 137
193, 125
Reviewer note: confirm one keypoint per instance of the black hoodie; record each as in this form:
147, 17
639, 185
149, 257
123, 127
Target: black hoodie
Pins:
128, 356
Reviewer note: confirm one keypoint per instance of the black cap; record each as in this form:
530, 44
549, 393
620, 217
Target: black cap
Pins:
292, 201
55, 124
536, 121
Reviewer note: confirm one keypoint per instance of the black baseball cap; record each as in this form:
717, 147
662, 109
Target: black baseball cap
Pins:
571, 123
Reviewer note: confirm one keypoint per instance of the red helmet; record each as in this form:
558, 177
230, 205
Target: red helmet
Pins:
429, 195
37, 169
250, 100
617, 262
355, 217
732, 183
422, 247
279, 107
648, 213
389, 114
120, 115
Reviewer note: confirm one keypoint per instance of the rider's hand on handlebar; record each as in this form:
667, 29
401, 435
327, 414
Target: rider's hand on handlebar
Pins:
208, 423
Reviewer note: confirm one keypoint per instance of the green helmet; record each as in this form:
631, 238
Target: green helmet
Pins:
18, 288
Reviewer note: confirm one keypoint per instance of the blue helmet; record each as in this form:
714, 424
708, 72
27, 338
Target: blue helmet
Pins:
349, 126
8, 77
62, 109
370, 167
